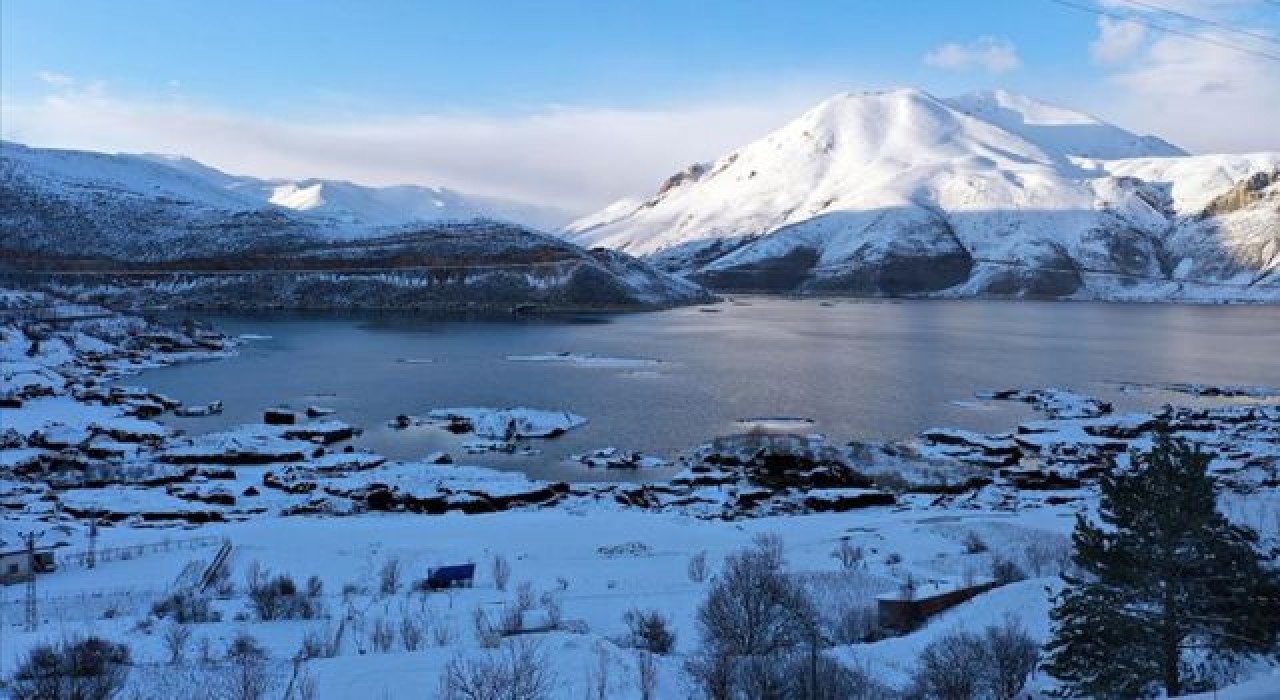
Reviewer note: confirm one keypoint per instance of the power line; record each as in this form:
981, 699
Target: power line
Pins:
1212, 23
1168, 30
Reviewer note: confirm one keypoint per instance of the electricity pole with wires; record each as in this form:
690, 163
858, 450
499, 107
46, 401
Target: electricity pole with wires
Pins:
32, 619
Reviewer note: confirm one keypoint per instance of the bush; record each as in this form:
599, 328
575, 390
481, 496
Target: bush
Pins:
698, 567
279, 599
848, 555
973, 543
389, 577
519, 671
247, 677
650, 631
965, 666
87, 669
753, 619
1006, 571
185, 608
501, 572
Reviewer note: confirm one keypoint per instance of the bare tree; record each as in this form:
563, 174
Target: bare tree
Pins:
176, 637
412, 631
950, 668
501, 572
383, 635
519, 671
248, 677
85, 669
646, 674
389, 577
847, 554
598, 675
649, 630
1011, 656
698, 567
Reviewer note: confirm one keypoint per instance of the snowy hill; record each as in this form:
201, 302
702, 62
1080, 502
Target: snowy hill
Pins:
333, 208
239, 242
899, 192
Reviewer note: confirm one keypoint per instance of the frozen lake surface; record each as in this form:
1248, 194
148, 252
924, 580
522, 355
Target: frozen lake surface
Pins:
666, 382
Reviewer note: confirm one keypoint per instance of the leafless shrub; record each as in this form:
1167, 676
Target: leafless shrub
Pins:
754, 617
186, 607
501, 572
650, 631
950, 668
519, 671
770, 547
598, 675
86, 669
442, 634
1005, 570
973, 543
524, 596
176, 637
555, 611
487, 634
1047, 556
317, 643
389, 577
412, 631
646, 674
893, 559
698, 567
248, 677
278, 598
383, 636
965, 666
1011, 656
847, 554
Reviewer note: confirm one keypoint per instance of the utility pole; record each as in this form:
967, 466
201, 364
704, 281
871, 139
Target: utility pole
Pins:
91, 560
32, 620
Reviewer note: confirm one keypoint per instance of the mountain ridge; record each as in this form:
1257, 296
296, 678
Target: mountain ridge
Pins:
902, 193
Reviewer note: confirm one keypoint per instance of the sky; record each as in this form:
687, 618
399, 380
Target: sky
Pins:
575, 103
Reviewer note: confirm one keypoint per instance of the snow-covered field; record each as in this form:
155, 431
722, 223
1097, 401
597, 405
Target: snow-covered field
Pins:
557, 565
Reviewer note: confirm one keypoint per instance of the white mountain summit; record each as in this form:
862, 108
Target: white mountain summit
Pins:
900, 192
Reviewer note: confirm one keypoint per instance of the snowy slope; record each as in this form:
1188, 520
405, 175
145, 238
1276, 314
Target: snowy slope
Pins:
902, 193
336, 208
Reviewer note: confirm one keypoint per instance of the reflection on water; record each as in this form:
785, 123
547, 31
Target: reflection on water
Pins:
858, 369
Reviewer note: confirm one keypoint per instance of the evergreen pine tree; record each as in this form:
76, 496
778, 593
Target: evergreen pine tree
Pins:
1164, 580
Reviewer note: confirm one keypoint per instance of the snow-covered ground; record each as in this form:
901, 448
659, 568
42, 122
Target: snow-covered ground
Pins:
856, 523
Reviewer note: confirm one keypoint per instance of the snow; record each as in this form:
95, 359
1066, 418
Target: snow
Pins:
1011, 182
512, 422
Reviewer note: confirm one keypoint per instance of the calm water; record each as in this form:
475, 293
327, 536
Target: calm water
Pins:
860, 369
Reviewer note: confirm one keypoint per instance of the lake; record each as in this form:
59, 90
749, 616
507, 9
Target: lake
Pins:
859, 369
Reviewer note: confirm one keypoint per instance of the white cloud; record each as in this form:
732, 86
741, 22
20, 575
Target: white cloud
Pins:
988, 53
1117, 39
1201, 96
574, 157
55, 79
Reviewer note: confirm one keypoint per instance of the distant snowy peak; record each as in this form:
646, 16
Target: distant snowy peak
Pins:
341, 208
1058, 130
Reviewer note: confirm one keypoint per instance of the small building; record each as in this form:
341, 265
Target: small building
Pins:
16, 564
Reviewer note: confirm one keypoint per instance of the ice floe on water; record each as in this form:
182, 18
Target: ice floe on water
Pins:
777, 423
586, 360
415, 360
507, 423
254, 336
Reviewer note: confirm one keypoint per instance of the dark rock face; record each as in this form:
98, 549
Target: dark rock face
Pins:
781, 274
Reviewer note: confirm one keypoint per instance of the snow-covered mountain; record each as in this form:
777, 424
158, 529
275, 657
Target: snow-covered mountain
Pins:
330, 207
900, 192
237, 241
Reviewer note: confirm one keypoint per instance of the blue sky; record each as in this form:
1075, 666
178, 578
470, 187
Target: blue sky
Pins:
94, 74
